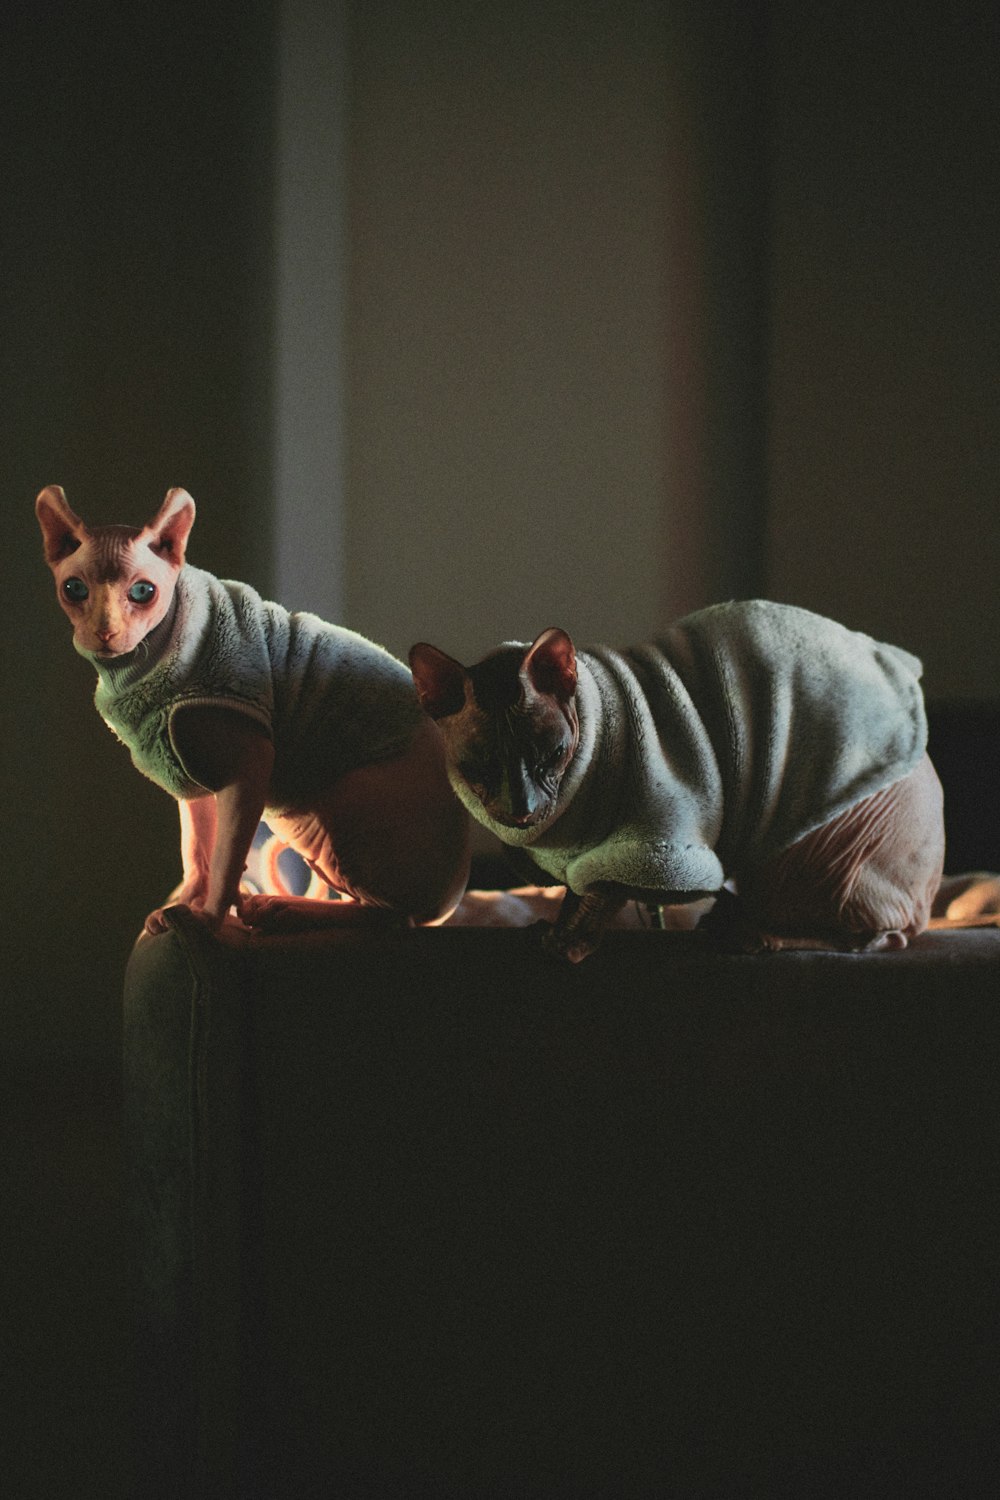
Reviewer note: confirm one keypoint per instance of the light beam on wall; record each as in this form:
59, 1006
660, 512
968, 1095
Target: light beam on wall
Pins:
309, 295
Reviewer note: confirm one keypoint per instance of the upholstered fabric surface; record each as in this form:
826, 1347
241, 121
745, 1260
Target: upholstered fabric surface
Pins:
421, 1214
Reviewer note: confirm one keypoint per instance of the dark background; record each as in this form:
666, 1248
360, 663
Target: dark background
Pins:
632, 308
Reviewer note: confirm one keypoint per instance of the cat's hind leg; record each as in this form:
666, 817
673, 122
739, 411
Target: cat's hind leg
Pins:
581, 920
391, 835
864, 881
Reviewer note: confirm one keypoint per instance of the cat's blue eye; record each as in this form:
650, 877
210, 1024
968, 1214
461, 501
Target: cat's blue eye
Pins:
75, 589
142, 592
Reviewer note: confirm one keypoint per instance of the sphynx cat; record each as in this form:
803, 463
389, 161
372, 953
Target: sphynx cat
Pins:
754, 746
238, 708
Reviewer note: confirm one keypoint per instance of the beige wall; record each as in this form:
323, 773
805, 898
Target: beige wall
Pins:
534, 420
506, 319
885, 292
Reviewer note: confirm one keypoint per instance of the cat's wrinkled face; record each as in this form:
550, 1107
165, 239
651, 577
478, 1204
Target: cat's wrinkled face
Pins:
115, 583
509, 724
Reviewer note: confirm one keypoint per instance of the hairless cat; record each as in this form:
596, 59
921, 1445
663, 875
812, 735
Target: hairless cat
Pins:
753, 747
236, 707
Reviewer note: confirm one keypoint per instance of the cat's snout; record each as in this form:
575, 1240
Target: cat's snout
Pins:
106, 639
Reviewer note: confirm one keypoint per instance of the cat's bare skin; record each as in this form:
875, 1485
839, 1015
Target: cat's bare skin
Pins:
864, 881
390, 834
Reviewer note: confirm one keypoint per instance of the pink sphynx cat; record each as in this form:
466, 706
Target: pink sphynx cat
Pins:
236, 707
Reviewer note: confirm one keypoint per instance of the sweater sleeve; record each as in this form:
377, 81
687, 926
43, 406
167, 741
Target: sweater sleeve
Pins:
642, 865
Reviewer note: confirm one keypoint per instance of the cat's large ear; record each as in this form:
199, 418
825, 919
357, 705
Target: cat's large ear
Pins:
549, 665
62, 529
440, 680
168, 531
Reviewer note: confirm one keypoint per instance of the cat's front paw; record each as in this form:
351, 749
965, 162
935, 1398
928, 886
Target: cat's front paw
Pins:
562, 946
157, 921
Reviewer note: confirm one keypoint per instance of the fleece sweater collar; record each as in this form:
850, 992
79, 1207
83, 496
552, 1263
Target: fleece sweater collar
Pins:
166, 649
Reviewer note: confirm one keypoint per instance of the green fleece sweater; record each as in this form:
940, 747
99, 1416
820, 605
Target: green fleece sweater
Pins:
704, 753
330, 700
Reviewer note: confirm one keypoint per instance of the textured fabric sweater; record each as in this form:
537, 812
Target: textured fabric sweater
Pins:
708, 751
330, 700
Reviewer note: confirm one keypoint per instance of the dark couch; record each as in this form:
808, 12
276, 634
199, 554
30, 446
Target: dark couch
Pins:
421, 1215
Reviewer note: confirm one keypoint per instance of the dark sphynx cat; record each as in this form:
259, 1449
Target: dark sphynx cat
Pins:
754, 746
